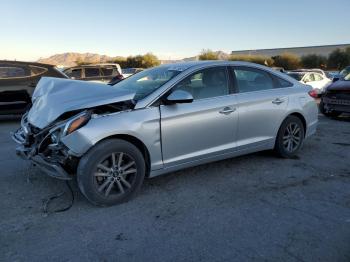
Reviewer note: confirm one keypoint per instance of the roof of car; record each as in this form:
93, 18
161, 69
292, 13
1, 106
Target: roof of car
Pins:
12, 62
186, 65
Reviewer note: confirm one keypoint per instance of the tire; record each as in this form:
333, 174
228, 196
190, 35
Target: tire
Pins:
101, 173
328, 113
282, 145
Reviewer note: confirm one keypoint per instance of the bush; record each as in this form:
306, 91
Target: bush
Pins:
339, 59
207, 54
314, 61
258, 59
287, 61
139, 61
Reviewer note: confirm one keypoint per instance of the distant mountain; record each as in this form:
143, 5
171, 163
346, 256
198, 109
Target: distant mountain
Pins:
71, 59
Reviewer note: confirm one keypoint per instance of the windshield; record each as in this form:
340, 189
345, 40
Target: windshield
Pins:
296, 76
145, 82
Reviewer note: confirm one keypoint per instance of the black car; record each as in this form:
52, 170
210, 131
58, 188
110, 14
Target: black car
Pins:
95, 73
18, 81
336, 99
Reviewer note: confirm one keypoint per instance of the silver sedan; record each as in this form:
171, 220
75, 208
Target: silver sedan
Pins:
160, 120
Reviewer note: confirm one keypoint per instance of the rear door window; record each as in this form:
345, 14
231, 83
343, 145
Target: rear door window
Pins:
252, 79
12, 72
318, 77
281, 83
92, 72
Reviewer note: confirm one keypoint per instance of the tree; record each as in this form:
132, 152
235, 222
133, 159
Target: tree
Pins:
258, 59
338, 59
208, 54
119, 60
287, 61
139, 61
314, 61
149, 60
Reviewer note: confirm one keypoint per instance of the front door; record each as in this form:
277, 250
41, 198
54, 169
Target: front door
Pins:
204, 128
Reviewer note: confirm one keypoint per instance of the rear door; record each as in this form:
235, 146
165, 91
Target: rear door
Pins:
204, 128
262, 101
16, 88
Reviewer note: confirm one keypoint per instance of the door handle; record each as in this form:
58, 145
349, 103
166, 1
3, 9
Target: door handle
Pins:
227, 110
277, 101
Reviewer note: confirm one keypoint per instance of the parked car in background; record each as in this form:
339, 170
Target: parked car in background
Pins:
280, 69
345, 72
130, 71
316, 80
160, 120
18, 81
95, 73
336, 98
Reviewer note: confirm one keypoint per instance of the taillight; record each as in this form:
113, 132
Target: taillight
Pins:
313, 93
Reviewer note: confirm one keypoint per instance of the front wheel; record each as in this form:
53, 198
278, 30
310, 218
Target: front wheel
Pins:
111, 172
290, 137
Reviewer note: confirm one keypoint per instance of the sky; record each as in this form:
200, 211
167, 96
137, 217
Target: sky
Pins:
175, 29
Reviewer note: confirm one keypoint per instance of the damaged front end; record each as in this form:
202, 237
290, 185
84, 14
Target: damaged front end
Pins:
44, 147
55, 116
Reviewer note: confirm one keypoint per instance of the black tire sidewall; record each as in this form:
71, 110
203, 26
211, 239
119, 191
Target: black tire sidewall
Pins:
92, 158
279, 148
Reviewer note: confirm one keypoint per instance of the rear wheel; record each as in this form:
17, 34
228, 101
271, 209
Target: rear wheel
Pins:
111, 172
290, 137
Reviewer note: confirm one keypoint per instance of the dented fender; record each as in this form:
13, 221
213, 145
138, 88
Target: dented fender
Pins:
142, 124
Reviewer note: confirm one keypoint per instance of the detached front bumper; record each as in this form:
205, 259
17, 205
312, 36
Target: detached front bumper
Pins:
50, 168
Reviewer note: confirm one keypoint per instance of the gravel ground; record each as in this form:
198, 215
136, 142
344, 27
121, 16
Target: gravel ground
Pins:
251, 208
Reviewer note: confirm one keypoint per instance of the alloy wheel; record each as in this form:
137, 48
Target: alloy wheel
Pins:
115, 174
292, 137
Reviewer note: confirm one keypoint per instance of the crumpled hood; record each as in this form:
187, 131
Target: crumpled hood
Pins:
54, 96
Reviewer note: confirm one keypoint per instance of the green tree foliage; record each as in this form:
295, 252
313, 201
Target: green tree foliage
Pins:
208, 54
314, 61
139, 61
287, 61
149, 60
339, 59
258, 59
120, 60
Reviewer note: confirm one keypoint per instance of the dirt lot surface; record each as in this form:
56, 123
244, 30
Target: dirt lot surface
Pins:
252, 208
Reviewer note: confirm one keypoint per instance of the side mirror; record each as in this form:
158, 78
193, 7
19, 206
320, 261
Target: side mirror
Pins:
179, 97
335, 79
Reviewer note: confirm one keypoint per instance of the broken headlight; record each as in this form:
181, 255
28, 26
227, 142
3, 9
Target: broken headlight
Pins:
76, 122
